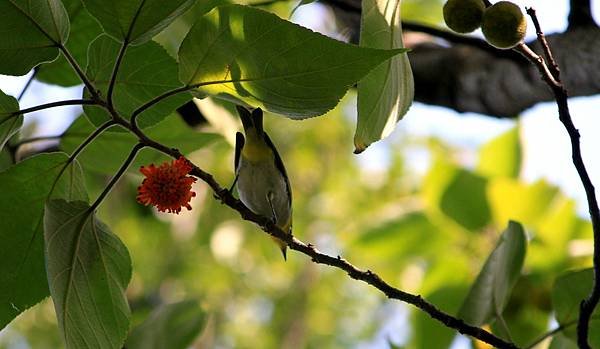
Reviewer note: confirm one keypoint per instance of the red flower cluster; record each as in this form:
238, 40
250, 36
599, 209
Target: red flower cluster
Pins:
168, 187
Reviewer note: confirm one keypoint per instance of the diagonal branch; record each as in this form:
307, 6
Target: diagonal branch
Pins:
560, 94
366, 276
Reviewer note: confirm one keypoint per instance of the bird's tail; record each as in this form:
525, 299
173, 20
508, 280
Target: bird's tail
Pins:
252, 119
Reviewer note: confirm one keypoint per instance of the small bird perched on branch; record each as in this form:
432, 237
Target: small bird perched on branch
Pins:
262, 182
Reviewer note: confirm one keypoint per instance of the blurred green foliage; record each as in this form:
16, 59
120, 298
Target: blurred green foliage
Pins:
428, 233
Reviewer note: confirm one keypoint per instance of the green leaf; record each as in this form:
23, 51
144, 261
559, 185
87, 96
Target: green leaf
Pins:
249, 55
501, 157
172, 132
25, 187
88, 271
9, 124
568, 292
32, 31
458, 194
173, 326
490, 292
386, 93
146, 72
526, 203
136, 21
84, 29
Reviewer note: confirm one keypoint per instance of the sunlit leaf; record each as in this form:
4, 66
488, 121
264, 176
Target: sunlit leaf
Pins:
31, 31
491, 290
501, 156
568, 292
386, 93
172, 132
88, 271
136, 21
173, 326
25, 187
526, 203
146, 72
84, 29
9, 124
256, 57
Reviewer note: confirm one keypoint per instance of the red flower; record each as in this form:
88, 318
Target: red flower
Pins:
168, 187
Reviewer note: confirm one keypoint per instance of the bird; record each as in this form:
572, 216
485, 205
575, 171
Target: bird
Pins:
262, 181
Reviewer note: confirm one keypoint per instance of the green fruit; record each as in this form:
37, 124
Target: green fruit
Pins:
463, 16
504, 25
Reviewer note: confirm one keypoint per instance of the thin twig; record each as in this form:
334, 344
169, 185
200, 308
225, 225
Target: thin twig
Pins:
545, 47
366, 276
588, 305
117, 175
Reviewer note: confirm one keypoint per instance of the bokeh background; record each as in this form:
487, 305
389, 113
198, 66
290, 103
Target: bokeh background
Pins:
422, 208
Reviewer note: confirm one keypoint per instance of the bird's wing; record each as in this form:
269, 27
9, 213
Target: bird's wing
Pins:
280, 166
239, 144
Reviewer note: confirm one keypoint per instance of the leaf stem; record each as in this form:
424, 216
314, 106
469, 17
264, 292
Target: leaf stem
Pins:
154, 101
117, 175
588, 305
52, 105
550, 334
86, 81
28, 84
97, 132
115, 72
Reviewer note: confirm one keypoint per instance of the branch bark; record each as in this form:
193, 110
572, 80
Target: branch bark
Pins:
467, 76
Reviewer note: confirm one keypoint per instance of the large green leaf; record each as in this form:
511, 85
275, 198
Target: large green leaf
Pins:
249, 55
9, 124
25, 187
31, 32
501, 156
490, 292
136, 21
84, 29
386, 93
146, 72
172, 132
88, 271
458, 193
173, 326
568, 292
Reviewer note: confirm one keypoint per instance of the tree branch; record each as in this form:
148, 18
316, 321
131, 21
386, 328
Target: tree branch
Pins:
580, 14
560, 94
366, 276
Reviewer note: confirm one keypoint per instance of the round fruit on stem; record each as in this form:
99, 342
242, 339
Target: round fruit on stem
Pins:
504, 25
463, 16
